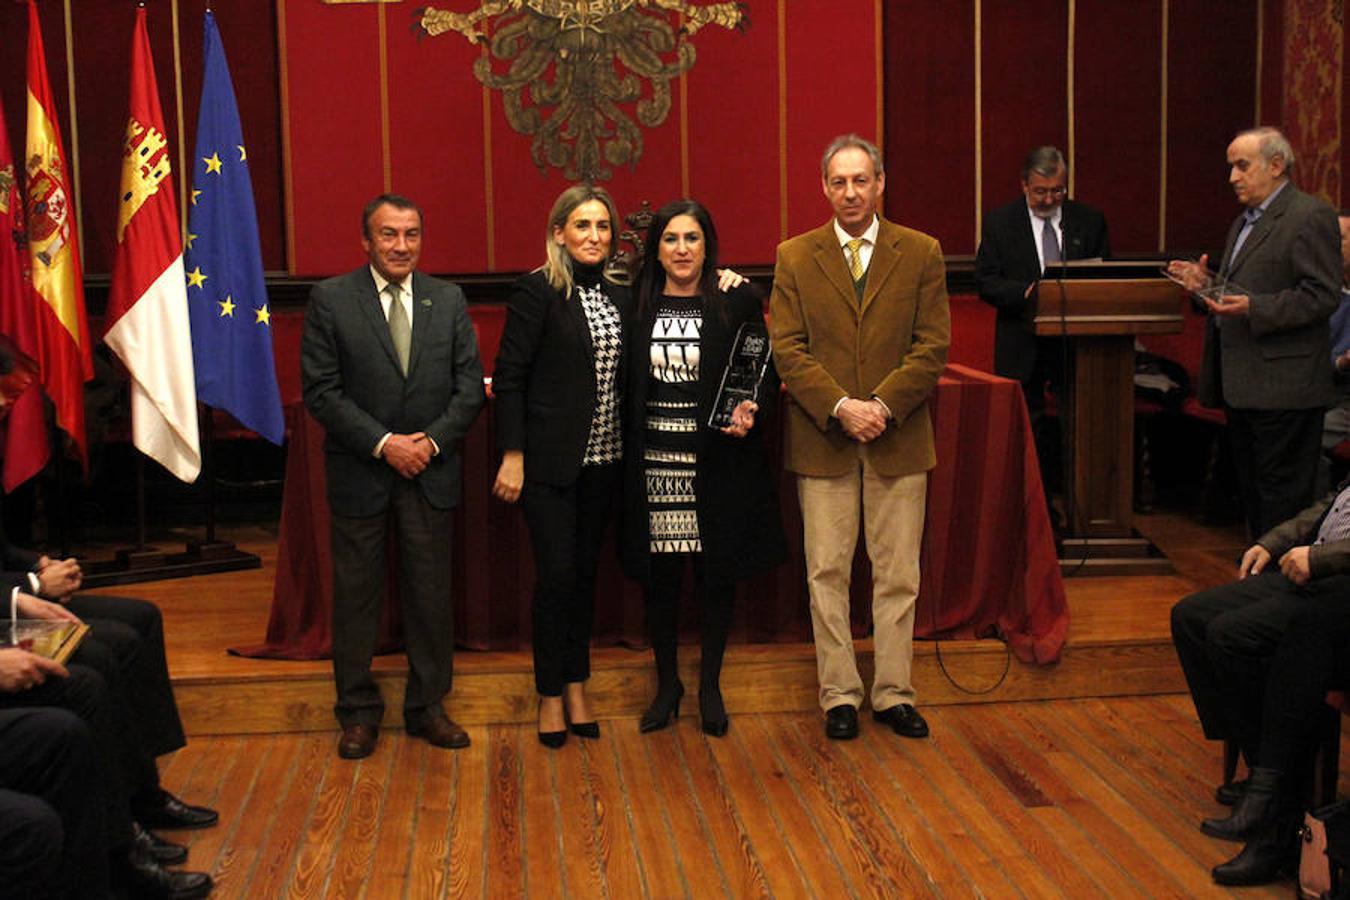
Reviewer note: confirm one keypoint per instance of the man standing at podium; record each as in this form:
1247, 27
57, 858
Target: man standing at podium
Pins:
1266, 350
1016, 244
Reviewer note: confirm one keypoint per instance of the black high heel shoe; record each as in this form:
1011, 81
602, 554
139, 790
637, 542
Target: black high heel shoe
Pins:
666, 704
713, 713
552, 739
589, 729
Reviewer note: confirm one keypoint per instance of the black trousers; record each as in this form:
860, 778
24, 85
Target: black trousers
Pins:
51, 807
359, 575
1275, 453
1226, 637
1047, 432
1311, 660
567, 526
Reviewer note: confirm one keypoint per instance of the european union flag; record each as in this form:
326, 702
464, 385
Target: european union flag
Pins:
231, 321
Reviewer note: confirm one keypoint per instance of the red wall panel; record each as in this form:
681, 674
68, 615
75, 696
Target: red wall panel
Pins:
930, 119
1023, 52
1117, 128
832, 88
1211, 96
733, 135
336, 156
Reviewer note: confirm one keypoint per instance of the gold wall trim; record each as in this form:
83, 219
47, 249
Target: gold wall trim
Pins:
385, 160
879, 74
1162, 130
1070, 57
182, 127
74, 130
979, 125
288, 186
782, 123
489, 192
1260, 59
684, 135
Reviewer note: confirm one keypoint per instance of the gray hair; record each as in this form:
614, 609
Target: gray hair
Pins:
397, 201
1272, 143
1043, 161
847, 142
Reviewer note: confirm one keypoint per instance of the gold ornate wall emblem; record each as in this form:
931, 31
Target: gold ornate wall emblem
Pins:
574, 65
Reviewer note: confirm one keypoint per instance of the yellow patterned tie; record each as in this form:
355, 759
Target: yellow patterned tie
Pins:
855, 267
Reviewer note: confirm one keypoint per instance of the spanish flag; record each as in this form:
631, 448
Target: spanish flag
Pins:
25, 447
147, 320
54, 257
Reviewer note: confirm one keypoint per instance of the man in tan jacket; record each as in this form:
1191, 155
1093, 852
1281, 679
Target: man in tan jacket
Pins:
860, 333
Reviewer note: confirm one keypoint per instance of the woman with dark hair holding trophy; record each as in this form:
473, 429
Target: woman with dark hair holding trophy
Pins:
557, 387
699, 489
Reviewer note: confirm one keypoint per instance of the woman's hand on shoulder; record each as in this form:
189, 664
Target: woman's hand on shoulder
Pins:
510, 476
728, 279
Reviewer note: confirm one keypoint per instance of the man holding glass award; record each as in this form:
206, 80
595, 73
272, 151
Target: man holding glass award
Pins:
1267, 341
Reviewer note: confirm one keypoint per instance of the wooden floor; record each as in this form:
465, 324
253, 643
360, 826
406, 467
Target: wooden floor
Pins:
1098, 795
1065, 798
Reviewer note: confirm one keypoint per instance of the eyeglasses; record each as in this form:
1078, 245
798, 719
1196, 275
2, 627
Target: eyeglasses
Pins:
1041, 193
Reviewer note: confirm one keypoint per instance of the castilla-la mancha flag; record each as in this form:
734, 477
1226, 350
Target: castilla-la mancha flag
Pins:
53, 254
147, 319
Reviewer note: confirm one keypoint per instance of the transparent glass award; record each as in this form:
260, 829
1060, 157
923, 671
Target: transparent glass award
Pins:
744, 372
1212, 287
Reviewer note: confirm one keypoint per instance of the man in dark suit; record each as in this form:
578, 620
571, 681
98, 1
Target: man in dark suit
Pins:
1016, 243
390, 367
1267, 342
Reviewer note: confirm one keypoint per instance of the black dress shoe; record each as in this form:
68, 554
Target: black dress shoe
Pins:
904, 720
1230, 792
1252, 812
171, 813
585, 729
551, 739
841, 722
1272, 853
357, 741
712, 711
138, 875
666, 704
163, 852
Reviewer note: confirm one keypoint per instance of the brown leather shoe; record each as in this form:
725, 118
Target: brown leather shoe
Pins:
357, 741
440, 731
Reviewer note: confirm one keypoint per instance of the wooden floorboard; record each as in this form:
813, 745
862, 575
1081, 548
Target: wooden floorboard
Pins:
1045, 799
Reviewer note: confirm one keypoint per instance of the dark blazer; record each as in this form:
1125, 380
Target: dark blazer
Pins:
1007, 262
1331, 558
735, 483
1276, 357
354, 387
543, 382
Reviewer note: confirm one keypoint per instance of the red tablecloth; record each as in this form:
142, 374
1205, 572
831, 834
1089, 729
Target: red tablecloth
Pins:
988, 560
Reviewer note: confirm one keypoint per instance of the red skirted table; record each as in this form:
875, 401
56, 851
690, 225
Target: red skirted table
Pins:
988, 561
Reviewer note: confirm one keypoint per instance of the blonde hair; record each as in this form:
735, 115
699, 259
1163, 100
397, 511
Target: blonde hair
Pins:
557, 267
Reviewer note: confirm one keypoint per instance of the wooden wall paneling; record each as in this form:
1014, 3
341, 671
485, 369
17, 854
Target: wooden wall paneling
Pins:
831, 65
1117, 131
930, 119
335, 160
1211, 96
1023, 53
732, 124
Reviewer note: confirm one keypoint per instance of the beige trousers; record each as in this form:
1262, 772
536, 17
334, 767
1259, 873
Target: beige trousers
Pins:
892, 511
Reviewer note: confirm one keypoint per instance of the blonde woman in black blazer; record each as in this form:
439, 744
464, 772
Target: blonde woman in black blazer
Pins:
557, 387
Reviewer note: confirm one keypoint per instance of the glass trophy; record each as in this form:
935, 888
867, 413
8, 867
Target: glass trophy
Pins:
1214, 287
744, 372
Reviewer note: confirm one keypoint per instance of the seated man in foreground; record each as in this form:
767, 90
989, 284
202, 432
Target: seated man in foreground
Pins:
1226, 636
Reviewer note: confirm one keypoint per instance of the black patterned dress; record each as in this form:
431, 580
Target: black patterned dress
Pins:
671, 453
604, 445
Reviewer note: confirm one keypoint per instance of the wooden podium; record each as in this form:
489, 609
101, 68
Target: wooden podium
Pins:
1098, 317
